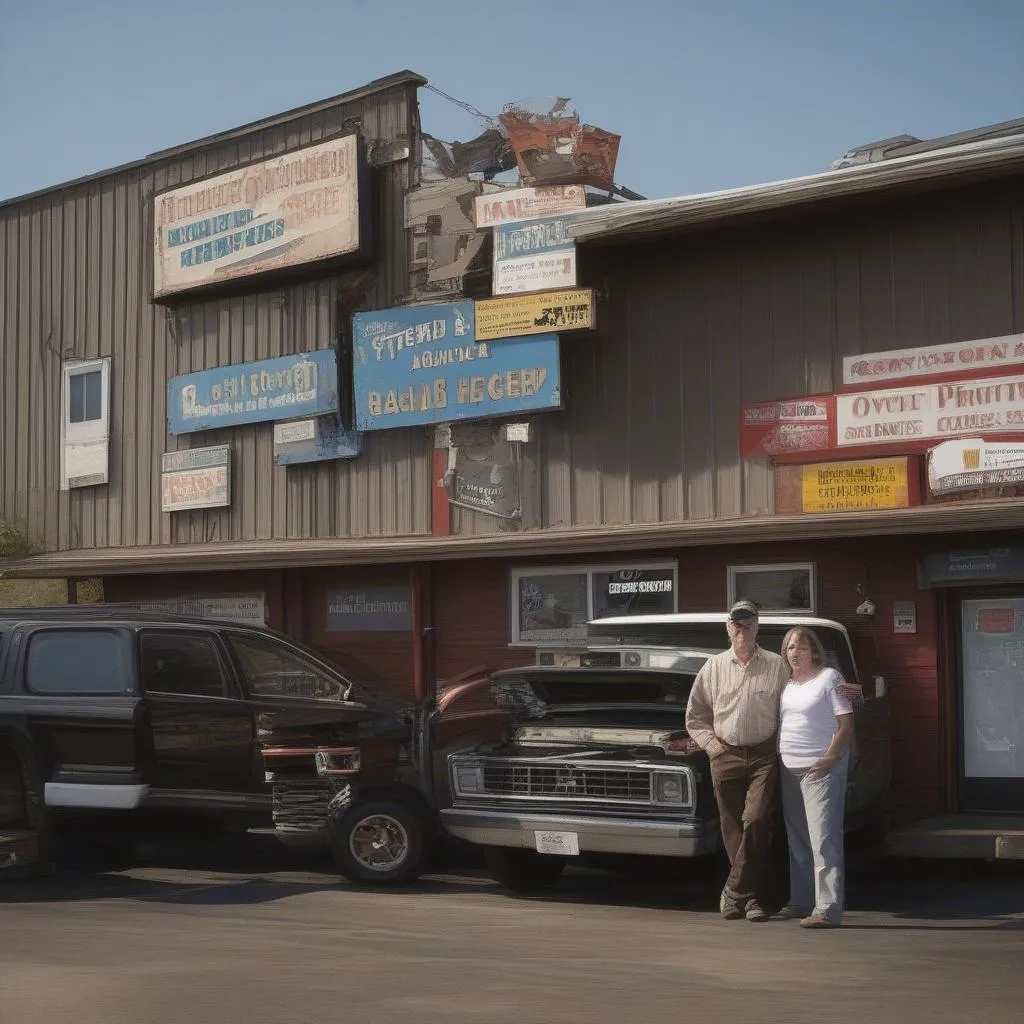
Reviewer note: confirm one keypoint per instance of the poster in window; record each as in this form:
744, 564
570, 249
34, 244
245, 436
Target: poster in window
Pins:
553, 608
634, 592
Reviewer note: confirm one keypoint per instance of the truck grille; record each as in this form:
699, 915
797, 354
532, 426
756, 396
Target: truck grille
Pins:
589, 782
567, 781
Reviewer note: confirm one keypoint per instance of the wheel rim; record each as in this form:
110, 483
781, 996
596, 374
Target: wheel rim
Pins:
379, 842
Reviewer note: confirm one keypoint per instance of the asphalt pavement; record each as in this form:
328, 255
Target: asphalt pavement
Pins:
243, 932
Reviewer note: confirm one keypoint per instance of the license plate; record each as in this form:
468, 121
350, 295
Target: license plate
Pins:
565, 843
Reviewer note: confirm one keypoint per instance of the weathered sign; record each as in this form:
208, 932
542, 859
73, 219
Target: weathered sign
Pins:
369, 610
533, 255
855, 486
274, 389
992, 405
932, 360
270, 215
196, 478
489, 485
420, 364
954, 568
970, 463
535, 313
510, 205
316, 440
787, 426
246, 609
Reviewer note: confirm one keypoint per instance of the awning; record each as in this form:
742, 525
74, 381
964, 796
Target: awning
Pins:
956, 517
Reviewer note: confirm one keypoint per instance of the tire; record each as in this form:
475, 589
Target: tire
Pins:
523, 870
381, 842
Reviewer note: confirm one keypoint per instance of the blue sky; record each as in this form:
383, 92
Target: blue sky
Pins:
706, 95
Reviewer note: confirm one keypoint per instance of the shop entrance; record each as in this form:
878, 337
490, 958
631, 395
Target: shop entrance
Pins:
992, 703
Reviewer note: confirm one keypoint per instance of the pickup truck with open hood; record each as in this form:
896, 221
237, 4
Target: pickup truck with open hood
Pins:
596, 759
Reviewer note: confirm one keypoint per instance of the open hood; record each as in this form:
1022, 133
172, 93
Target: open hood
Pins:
540, 692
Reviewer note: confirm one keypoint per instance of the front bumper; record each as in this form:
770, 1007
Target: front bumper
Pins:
644, 837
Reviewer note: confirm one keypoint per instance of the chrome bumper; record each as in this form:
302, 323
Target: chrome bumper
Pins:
596, 835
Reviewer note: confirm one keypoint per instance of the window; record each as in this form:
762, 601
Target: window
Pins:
77, 661
273, 670
85, 391
551, 606
775, 588
85, 423
182, 663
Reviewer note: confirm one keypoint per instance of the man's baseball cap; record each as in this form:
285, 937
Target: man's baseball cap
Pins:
742, 610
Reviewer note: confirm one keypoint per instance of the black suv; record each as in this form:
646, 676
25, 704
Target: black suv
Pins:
108, 710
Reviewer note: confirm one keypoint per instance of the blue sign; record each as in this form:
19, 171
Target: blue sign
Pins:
420, 365
326, 439
531, 238
274, 389
981, 565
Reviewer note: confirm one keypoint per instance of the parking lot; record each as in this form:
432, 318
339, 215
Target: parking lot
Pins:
241, 932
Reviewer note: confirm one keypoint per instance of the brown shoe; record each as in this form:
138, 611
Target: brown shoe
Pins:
757, 913
729, 908
817, 921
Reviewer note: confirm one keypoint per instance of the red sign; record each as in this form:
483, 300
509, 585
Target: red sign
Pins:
996, 620
786, 427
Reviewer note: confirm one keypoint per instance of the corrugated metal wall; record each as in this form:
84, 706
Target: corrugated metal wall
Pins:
689, 330
75, 277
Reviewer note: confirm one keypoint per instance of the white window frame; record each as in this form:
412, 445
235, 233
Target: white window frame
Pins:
810, 567
93, 433
585, 568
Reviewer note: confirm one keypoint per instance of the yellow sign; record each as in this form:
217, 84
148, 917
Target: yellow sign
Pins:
853, 486
512, 316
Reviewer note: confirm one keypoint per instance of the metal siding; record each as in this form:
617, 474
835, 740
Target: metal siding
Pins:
693, 328
687, 331
76, 274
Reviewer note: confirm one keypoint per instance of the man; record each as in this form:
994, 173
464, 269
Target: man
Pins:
733, 715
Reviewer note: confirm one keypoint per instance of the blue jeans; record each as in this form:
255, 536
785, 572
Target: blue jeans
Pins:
814, 810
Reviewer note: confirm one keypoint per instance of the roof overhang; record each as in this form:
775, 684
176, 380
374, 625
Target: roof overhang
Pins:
293, 554
624, 222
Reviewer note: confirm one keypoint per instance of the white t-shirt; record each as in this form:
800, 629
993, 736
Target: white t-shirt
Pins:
808, 718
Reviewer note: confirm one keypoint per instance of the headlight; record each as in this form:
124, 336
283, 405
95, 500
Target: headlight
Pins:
469, 779
671, 788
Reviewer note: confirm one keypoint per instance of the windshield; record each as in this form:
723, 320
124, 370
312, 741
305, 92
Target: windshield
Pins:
712, 635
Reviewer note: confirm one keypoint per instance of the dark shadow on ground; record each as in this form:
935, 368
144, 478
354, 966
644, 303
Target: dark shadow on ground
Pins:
957, 895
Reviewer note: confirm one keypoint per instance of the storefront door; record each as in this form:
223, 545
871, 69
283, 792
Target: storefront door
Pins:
992, 704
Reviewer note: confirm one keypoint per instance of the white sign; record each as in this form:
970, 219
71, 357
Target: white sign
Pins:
958, 356
971, 463
904, 617
293, 209
247, 609
296, 430
517, 204
535, 273
566, 844
994, 406
196, 478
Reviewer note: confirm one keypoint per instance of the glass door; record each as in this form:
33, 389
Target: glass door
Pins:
992, 711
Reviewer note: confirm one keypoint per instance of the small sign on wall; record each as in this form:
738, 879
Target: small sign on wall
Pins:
369, 610
904, 617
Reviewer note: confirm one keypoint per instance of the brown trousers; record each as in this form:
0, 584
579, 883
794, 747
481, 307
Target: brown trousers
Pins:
746, 788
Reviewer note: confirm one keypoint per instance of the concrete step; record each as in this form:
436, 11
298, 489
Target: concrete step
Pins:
960, 836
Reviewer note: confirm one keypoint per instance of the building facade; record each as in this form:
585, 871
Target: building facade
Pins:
744, 417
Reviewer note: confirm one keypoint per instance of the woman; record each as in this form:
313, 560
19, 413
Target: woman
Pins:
815, 738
